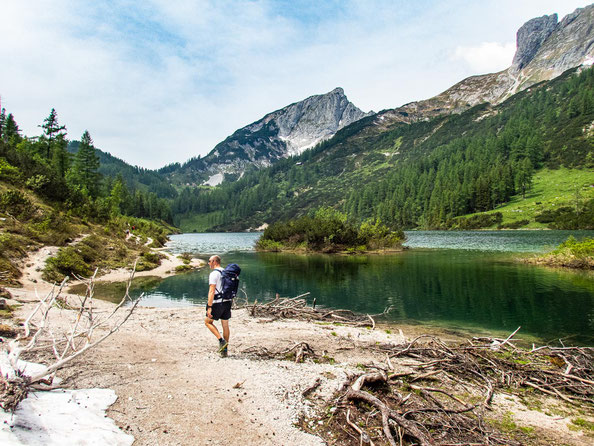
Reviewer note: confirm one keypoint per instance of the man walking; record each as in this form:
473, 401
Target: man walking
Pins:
216, 308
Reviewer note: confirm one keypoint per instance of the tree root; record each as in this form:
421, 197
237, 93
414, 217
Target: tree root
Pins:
372, 406
296, 308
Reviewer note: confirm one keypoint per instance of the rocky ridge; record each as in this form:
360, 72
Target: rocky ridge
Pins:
545, 49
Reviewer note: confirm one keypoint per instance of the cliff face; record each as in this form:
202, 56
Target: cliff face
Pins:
545, 49
282, 133
530, 37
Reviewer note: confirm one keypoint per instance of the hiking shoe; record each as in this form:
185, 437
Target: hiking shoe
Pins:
222, 345
224, 352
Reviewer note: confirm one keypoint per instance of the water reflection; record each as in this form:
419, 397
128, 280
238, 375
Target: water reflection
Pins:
447, 287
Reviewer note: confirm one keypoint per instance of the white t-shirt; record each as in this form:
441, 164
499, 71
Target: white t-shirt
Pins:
214, 278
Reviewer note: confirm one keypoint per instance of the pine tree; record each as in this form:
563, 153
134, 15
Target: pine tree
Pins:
60, 156
52, 131
2, 122
11, 133
84, 172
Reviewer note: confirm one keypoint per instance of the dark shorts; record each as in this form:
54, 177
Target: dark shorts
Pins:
221, 310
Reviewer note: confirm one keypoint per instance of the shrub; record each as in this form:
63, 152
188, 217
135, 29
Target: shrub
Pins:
477, 221
183, 268
513, 224
67, 262
147, 261
186, 257
8, 172
17, 203
569, 218
580, 250
268, 245
37, 182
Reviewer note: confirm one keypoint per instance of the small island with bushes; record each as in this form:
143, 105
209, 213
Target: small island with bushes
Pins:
328, 231
569, 254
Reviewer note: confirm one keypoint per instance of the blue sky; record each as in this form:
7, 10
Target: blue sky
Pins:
160, 81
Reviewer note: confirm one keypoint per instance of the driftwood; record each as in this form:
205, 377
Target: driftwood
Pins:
65, 346
444, 395
495, 364
297, 353
297, 308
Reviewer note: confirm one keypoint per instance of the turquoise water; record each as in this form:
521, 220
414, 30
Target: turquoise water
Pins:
459, 280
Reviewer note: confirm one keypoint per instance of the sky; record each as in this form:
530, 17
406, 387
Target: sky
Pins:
159, 81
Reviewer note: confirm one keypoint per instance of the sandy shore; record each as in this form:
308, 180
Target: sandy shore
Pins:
174, 389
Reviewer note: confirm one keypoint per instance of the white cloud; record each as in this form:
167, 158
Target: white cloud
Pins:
157, 81
488, 57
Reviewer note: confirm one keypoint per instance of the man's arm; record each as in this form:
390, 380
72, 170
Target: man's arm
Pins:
211, 293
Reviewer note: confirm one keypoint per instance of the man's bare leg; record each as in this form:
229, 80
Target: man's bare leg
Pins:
209, 324
226, 333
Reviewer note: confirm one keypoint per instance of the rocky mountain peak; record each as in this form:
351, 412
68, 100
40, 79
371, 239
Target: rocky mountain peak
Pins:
282, 133
530, 37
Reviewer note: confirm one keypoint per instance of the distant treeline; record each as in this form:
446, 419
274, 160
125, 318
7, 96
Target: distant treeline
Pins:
72, 181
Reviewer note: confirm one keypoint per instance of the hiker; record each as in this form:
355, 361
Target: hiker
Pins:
217, 310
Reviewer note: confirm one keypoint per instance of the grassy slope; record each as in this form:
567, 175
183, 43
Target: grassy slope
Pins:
33, 223
199, 222
551, 189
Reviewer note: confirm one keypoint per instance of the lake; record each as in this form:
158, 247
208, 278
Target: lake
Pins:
467, 280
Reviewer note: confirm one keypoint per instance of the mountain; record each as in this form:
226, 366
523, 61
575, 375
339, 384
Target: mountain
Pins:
425, 164
425, 174
282, 133
545, 48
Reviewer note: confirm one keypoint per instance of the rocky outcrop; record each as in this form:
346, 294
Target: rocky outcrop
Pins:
530, 37
545, 49
285, 132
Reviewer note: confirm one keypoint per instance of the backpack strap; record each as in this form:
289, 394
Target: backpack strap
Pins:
218, 292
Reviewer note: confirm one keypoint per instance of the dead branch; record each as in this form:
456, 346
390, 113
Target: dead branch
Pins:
364, 436
67, 346
299, 352
297, 308
311, 388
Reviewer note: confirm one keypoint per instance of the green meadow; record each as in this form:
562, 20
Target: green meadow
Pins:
551, 189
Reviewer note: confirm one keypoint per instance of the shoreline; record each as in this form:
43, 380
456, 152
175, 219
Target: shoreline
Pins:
165, 370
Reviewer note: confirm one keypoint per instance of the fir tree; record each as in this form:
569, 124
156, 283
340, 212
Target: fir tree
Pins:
11, 133
52, 130
84, 172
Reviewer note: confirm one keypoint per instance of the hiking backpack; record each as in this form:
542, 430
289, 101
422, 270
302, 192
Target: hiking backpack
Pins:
229, 281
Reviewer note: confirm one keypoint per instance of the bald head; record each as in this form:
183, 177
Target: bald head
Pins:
214, 261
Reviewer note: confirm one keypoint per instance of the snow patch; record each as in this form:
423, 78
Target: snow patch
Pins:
588, 61
214, 180
51, 418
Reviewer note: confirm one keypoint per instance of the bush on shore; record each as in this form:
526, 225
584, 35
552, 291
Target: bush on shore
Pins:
571, 254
